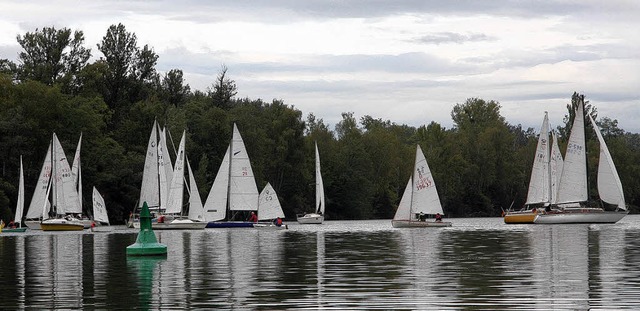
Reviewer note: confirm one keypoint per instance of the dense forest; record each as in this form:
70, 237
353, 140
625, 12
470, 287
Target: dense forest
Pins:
481, 165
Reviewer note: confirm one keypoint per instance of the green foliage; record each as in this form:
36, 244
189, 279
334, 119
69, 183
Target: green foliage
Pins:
51, 56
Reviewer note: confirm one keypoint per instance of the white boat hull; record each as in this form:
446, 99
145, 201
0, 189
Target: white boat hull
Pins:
419, 224
102, 229
270, 226
578, 217
312, 218
33, 224
178, 224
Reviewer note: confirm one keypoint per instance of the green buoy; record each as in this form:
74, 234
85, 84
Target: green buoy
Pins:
146, 244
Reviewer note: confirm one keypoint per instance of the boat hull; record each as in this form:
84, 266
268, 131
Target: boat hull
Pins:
61, 225
270, 226
179, 224
580, 217
314, 219
9, 230
527, 217
419, 224
102, 229
33, 224
229, 224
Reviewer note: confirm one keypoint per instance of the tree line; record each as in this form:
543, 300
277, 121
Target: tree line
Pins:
481, 165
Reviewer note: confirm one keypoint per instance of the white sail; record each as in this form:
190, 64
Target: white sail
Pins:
149, 190
573, 181
320, 203
66, 193
539, 183
556, 165
404, 208
99, 208
269, 206
168, 167
196, 210
165, 170
77, 173
609, 185
20, 201
40, 200
176, 187
215, 207
243, 192
425, 197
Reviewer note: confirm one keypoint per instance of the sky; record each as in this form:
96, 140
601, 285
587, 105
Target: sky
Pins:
407, 61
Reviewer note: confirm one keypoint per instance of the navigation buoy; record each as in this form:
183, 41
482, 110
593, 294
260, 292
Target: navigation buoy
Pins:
146, 244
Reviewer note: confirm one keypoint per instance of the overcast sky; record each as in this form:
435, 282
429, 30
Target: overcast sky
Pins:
408, 61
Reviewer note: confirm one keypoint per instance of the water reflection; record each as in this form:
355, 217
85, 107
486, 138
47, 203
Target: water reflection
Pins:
478, 264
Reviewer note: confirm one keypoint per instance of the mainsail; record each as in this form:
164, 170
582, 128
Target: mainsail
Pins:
320, 204
539, 183
268, 204
243, 192
425, 197
573, 181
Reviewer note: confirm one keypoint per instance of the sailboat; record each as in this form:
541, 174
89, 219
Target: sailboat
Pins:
65, 203
543, 184
571, 205
172, 218
234, 189
100, 217
17, 221
155, 176
420, 198
317, 216
269, 209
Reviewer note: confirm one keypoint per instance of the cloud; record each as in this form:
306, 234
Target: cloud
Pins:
450, 37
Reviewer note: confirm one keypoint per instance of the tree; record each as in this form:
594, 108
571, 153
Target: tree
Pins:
52, 55
176, 92
223, 90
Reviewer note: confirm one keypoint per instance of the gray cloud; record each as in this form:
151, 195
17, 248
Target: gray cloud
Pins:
452, 37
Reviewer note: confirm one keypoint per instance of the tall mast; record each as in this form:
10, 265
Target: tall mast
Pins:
229, 216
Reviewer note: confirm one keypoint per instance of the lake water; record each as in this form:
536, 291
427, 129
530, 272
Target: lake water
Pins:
478, 264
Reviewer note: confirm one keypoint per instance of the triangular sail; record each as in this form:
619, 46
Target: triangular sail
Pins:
215, 207
99, 208
556, 165
243, 192
66, 192
165, 170
196, 210
40, 200
149, 190
269, 206
539, 187
404, 208
320, 200
20, 201
573, 182
176, 188
77, 173
425, 197
609, 185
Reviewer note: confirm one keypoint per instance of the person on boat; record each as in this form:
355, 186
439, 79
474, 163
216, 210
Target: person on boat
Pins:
438, 217
278, 221
161, 219
12, 225
422, 216
253, 217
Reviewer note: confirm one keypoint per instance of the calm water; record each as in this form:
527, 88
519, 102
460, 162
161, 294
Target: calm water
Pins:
478, 264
